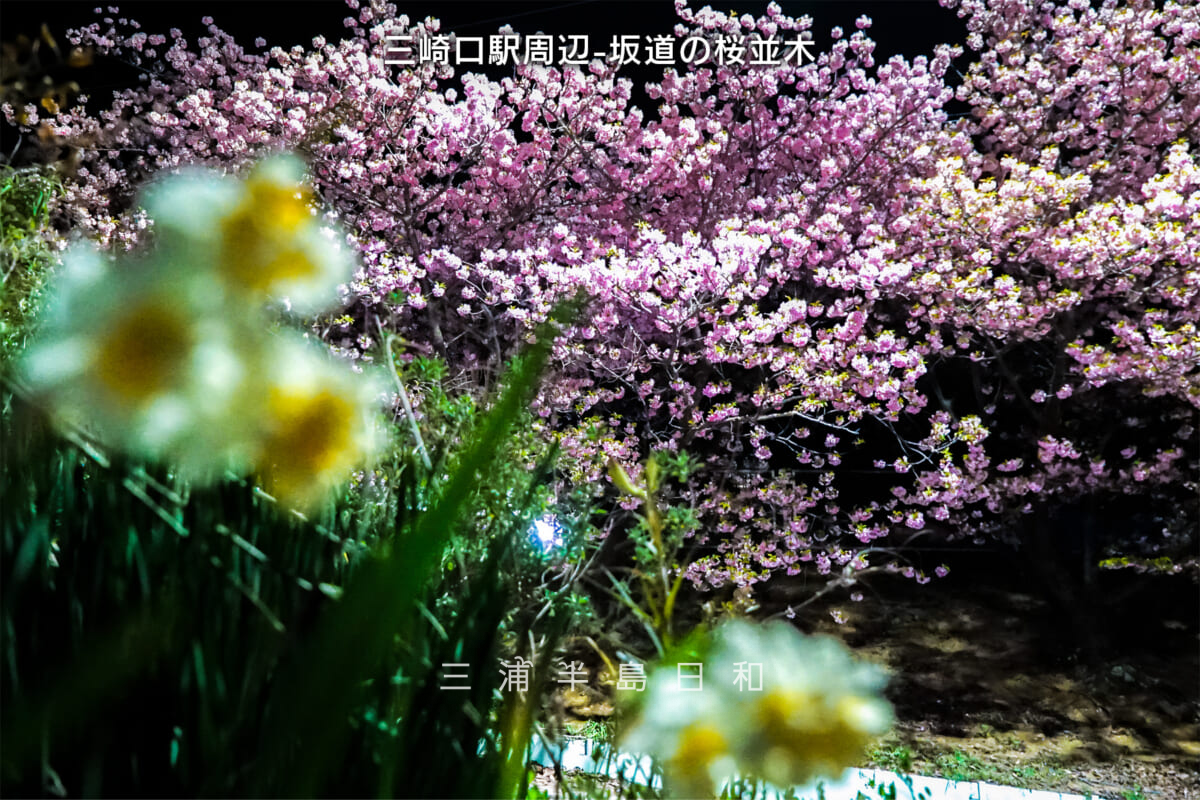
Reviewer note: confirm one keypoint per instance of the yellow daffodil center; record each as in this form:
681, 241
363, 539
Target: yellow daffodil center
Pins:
285, 207
804, 726
260, 238
139, 356
699, 744
312, 438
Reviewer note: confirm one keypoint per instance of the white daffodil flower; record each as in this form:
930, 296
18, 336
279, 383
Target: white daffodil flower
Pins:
166, 355
775, 705
262, 234
317, 422
686, 732
142, 354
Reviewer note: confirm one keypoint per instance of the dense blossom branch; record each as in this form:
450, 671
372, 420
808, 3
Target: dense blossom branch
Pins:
774, 261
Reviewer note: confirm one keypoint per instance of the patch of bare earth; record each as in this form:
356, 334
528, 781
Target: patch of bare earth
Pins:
989, 682
987, 685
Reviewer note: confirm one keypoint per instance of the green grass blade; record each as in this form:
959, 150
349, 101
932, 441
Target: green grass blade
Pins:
306, 737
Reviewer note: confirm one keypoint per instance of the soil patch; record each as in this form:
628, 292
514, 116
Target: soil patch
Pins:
988, 685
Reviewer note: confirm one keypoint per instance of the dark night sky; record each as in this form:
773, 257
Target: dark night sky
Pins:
909, 27
906, 27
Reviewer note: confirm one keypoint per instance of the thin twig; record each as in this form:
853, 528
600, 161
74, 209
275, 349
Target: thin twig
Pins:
408, 412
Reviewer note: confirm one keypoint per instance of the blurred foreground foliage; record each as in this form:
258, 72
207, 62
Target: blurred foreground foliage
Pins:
26, 254
159, 640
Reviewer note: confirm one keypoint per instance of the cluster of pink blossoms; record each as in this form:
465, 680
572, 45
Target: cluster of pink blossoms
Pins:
860, 314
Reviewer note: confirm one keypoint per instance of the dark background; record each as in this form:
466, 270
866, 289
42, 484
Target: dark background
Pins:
908, 27
905, 27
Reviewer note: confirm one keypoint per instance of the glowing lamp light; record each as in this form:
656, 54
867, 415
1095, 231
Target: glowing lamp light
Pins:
546, 533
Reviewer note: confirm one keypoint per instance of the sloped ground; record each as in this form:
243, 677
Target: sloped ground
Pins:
988, 686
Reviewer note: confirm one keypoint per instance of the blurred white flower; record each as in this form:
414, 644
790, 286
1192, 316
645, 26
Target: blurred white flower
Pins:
813, 713
317, 422
142, 354
262, 234
160, 356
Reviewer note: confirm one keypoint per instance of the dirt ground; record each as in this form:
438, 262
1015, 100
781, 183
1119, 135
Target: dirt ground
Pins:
989, 682
988, 685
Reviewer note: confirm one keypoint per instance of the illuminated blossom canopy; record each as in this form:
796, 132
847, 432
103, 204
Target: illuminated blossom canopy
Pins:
864, 315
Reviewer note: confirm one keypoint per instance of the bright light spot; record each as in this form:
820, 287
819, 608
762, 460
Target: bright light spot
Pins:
546, 533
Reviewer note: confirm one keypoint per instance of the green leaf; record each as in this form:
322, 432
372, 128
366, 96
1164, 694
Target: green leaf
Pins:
305, 739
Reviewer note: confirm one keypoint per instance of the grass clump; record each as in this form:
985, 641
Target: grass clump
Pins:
959, 766
27, 253
898, 758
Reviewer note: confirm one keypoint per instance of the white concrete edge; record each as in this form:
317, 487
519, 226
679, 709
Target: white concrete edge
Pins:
598, 758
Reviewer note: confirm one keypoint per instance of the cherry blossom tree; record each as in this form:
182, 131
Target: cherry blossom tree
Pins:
862, 313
